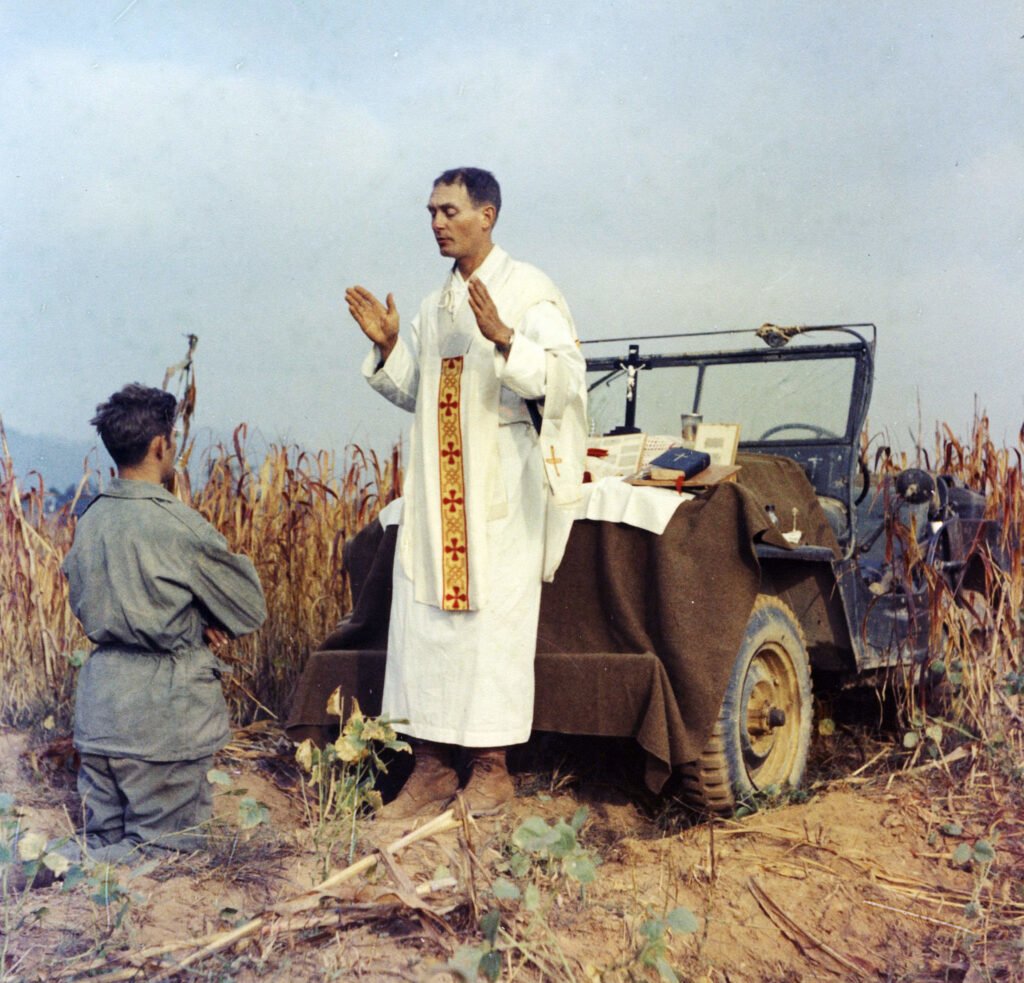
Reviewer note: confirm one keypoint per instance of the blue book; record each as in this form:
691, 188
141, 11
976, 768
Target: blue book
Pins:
680, 461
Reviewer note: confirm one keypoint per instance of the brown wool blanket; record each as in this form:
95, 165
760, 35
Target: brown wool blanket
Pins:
638, 632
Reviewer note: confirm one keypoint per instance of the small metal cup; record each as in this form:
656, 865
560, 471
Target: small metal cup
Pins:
688, 427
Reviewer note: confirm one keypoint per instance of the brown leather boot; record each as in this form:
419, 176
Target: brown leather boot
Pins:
431, 786
490, 786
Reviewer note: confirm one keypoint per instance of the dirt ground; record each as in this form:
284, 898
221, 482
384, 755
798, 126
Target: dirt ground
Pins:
855, 882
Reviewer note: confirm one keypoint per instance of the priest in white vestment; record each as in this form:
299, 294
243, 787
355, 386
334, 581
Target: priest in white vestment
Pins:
489, 489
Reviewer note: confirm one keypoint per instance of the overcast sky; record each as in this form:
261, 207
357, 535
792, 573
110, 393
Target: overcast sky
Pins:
228, 168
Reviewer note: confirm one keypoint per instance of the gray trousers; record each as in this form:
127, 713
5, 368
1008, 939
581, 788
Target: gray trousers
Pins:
133, 805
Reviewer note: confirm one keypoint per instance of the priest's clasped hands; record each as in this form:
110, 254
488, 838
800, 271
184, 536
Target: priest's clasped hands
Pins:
380, 323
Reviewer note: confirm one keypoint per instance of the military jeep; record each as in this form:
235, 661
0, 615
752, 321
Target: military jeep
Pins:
699, 640
843, 610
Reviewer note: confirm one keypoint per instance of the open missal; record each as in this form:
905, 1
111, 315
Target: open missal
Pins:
622, 455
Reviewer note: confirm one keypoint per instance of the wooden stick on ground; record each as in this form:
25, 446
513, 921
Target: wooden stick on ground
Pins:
441, 824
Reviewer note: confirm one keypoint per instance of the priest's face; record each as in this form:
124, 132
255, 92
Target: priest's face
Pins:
461, 229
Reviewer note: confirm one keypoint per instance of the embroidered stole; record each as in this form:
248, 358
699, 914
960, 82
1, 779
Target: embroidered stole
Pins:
455, 558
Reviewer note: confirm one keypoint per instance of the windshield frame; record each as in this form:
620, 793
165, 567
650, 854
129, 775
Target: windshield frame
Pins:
830, 461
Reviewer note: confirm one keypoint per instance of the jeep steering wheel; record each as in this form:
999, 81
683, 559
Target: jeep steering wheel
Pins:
813, 428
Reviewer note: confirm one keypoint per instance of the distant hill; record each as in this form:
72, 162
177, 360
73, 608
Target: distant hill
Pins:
59, 461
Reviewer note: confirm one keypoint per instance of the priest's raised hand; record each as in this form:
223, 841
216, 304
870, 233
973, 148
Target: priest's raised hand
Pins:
487, 319
379, 323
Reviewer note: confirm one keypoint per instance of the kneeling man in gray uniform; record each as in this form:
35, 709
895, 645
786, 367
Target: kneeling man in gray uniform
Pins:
157, 590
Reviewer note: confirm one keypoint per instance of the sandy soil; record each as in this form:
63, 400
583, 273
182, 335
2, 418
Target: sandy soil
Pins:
856, 882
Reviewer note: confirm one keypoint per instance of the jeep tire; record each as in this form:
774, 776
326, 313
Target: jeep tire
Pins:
763, 731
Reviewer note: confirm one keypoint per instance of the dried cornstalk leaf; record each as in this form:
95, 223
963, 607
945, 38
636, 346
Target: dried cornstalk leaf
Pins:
807, 943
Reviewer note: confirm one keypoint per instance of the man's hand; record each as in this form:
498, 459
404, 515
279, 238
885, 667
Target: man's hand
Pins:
215, 638
379, 323
487, 319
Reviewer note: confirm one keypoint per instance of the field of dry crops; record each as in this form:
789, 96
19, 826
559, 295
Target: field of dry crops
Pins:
291, 512
905, 861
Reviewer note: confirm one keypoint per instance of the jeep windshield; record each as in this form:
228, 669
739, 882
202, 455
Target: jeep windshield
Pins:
798, 392
813, 388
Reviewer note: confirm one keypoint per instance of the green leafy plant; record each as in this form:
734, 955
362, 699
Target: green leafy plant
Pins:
541, 854
23, 856
953, 673
343, 774
651, 939
924, 732
980, 856
1014, 683
111, 898
251, 813
655, 932
28, 857
552, 848
977, 857
771, 797
469, 963
23, 851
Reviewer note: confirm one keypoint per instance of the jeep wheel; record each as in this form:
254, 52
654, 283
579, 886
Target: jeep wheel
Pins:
763, 731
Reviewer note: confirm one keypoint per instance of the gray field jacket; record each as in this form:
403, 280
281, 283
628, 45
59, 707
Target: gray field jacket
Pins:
146, 575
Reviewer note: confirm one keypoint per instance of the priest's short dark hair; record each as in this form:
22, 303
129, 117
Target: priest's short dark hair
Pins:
481, 186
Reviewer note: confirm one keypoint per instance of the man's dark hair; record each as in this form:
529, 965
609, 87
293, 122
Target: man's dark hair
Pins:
481, 186
131, 418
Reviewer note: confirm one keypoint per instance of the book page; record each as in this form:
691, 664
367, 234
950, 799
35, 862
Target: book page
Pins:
626, 453
720, 440
622, 458
655, 444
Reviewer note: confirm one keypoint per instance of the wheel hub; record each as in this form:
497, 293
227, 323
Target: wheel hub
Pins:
763, 720
772, 712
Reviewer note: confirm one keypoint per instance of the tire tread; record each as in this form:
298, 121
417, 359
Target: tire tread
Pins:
706, 786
